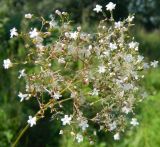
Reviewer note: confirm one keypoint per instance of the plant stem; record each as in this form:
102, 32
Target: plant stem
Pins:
20, 135
27, 126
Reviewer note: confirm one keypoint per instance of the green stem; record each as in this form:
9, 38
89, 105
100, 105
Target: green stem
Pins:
27, 126
20, 135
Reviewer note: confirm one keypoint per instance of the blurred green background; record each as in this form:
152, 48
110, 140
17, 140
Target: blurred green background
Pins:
13, 114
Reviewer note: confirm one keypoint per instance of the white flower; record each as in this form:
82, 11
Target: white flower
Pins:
91, 142
61, 132
154, 64
145, 65
90, 47
133, 45
106, 53
116, 136
66, 120
126, 109
58, 12
127, 86
112, 46
79, 138
98, 8
140, 58
110, 6
67, 34
31, 121
61, 60
22, 96
134, 122
95, 92
130, 18
57, 95
28, 16
64, 13
83, 124
144, 95
101, 69
7, 63
52, 23
112, 126
94, 133
33, 33
118, 24
39, 45
128, 58
22, 73
13, 32
74, 35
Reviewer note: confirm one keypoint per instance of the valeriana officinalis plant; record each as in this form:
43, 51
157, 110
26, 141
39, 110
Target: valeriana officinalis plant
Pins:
98, 75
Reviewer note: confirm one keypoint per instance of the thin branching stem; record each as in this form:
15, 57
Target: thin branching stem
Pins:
27, 126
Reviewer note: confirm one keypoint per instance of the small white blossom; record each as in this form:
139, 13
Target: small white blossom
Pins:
74, 35
144, 95
83, 124
79, 138
22, 96
118, 25
7, 63
134, 45
61, 60
112, 126
128, 58
112, 46
154, 64
140, 58
95, 92
31, 121
91, 142
52, 24
134, 122
116, 136
126, 109
13, 32
66, 120
64, 13
40, 46
57, 95
127, 87
61, 132
101, 69
67, 34
130, 18
98, 8
28, 16
110, 6
94, 133
58, 12
106, 53
22, 73
146, 66
34, 33
90, 47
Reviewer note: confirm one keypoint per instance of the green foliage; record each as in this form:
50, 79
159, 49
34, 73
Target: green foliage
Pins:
10, 120
149, 42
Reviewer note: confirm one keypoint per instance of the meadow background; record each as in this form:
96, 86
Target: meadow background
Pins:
13, 114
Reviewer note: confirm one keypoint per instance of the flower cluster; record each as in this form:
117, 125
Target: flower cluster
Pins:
97, 74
